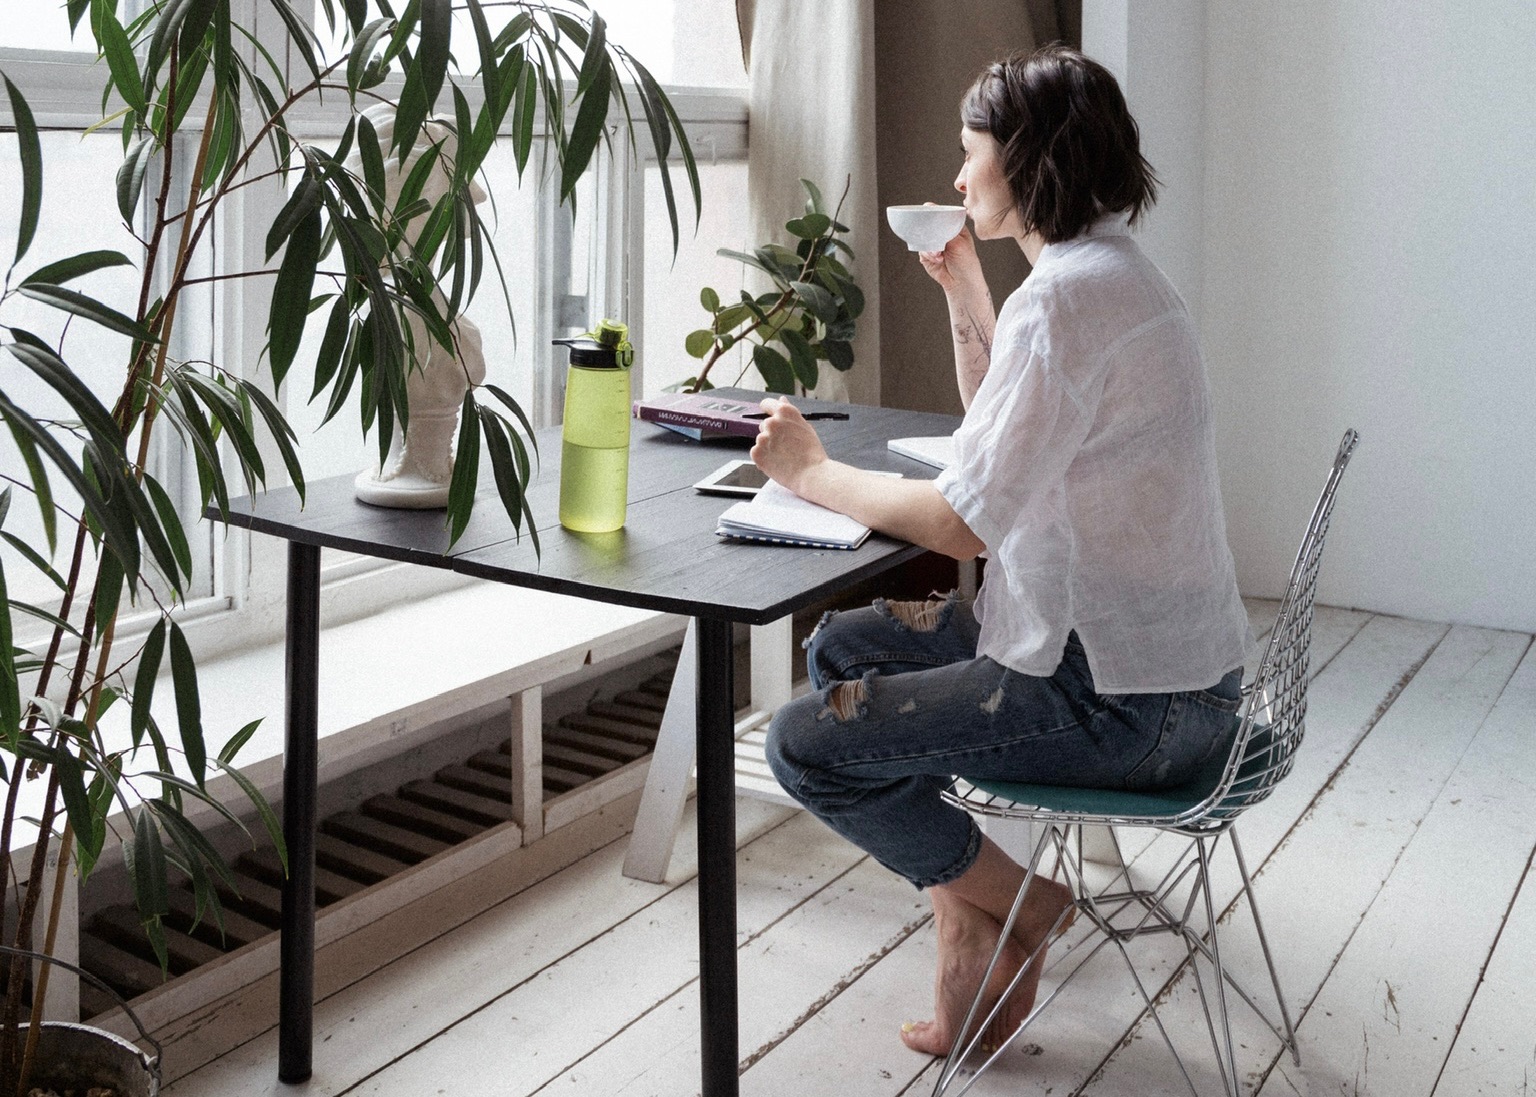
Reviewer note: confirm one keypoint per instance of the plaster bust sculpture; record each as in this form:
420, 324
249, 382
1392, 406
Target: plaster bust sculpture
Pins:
417, 472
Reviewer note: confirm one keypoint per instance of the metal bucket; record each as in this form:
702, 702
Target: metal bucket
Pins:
72, 1056
77, 1057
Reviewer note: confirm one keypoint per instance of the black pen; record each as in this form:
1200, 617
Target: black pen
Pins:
803, 415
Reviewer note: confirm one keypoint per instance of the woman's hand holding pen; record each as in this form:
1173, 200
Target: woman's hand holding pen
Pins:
787, 447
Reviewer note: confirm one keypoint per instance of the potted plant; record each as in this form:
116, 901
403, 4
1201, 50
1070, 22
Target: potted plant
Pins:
382, 269
811, 312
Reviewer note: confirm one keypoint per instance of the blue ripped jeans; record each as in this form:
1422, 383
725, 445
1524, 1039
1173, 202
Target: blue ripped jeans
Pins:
901, 703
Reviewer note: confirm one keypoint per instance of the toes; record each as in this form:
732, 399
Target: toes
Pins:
924, 1036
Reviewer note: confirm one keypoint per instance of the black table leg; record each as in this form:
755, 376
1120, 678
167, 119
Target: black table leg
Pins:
717, 858
296, 987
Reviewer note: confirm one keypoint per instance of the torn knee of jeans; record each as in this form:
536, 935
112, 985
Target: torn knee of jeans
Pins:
825, 617
847, 701
993, 701
927, 616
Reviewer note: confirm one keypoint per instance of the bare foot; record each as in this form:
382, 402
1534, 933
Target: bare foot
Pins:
967, 938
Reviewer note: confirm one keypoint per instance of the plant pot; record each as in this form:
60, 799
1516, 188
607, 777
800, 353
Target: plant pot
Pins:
78, 1057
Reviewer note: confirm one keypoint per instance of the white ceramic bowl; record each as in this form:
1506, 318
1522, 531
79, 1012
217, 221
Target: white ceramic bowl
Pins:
926, 228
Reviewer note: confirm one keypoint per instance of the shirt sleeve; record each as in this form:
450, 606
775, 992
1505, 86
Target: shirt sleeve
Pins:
1016, 442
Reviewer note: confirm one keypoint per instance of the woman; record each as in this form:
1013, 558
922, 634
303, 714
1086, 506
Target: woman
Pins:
1106, 644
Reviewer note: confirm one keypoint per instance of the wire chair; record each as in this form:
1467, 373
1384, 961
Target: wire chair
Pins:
1202, 810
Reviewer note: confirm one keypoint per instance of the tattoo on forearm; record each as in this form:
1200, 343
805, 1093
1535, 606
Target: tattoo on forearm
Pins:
969, 331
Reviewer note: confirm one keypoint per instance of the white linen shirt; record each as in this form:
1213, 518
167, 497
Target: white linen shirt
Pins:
1087, 465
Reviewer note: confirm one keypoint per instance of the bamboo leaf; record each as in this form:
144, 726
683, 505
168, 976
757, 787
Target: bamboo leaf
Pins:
189, 711
363, 48
268, 817
10, 687
144, 682
290, 294
282, 434
195, 29
503, 465
466, 470
31, 169
109, 589
332, 345
236, 741
191, 424
596, 56
40, 485
170, 521
372, 155
81, 400
33, 557
522, 117
304, 200
300, 34
120, 60
587, 130
69, 300
168, 24
76, 266
226, 410
52, 619
516, 409
432, 51
150, 893
114, 521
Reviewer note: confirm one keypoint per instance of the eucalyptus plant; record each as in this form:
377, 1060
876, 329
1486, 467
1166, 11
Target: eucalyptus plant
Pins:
811, 312
359, 259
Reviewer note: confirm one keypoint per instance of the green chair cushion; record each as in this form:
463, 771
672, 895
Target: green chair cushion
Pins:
1160, 803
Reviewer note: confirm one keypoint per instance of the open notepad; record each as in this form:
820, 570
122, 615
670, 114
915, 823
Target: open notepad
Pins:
779, 516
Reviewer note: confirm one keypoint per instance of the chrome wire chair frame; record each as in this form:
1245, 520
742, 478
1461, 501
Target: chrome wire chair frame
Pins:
1263, 751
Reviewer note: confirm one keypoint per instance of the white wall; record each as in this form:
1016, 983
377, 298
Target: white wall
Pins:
1368, 258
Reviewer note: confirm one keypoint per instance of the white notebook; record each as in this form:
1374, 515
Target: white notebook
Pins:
937, 451
780, 517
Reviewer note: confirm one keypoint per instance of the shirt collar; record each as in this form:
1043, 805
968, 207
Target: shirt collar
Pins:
1111, 224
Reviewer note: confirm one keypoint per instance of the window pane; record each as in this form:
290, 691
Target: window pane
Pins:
672, 306
44, 25
682, 42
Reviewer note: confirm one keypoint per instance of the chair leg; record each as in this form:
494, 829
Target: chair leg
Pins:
1269, 960
1221, 976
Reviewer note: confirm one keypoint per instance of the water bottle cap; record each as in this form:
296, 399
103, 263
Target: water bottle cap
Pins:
586, 351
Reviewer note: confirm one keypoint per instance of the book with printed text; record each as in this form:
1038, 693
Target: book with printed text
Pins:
701, 415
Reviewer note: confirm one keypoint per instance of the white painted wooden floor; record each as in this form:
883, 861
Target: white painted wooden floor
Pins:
1392, 868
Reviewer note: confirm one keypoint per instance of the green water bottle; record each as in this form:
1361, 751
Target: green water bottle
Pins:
594, 459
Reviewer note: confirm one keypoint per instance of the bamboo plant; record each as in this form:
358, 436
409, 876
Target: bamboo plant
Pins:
342, 254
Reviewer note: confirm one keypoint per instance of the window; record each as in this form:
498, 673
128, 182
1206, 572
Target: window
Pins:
562, 276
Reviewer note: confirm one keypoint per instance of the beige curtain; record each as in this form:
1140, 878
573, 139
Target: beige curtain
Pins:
811, 80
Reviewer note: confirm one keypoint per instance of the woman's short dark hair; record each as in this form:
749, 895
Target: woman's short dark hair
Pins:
1071, 150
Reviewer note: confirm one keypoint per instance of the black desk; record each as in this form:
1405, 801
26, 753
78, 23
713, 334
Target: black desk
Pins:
666, 558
